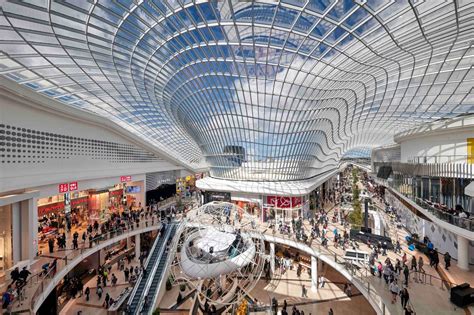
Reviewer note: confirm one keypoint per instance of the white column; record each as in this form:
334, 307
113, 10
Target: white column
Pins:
29, 229
463, 253
314, 273
272, 257
137, 246
16, 230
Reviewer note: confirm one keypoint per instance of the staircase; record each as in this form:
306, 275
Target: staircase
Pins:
155, 266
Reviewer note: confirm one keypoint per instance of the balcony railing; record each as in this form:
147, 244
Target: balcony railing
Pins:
39, 284
435, 209
429, 159
442, 214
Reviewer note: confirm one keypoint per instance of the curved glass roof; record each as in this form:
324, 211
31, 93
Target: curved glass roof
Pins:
255, 90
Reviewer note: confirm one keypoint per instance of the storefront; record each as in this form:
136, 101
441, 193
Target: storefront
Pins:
285, 208
210, 196
6, 239
73, 209
250, 203
185, 186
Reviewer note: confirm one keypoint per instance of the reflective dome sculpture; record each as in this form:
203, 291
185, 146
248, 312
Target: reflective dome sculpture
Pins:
219, 253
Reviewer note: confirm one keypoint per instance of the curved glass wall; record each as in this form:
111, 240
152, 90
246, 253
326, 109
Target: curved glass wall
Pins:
257, 90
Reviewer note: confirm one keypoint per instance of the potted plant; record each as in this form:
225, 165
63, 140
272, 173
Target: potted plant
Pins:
182, 287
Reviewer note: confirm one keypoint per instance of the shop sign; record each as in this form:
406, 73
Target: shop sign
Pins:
52, 207
64, 187
117, 192
78, 201
73, 186
124, 179
284, 202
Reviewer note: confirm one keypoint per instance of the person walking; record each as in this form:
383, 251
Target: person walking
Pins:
435, 259
303, 291
87, 292
447, 261
107, 299
413, 263
99, 292
406, 273
331, 312
395, 290
404, 297
420, 264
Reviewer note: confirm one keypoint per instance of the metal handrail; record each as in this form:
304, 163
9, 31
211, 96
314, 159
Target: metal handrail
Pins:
149, 280
64, 261
135, 288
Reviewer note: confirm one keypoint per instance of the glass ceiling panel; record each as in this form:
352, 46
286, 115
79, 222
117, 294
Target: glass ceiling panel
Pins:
258, 90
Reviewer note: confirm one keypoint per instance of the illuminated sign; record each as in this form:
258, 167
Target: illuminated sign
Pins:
73, 186
124, 179
63, 187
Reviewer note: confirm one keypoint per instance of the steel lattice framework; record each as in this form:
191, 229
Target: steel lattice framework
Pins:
256, 90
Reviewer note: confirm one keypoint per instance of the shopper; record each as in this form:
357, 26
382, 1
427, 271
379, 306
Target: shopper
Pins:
126, 273
304, 292
420, 264
404, 297
99, 292
406, 274
106, 301
447, 260
87, 292
15, 275
413, 263
24, 273
51, 245
395, 290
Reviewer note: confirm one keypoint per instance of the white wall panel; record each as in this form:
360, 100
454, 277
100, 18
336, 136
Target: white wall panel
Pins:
41, 148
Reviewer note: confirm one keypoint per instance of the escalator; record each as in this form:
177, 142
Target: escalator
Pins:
148, 282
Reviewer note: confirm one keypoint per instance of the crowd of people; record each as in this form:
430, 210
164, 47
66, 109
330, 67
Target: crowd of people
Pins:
91, 236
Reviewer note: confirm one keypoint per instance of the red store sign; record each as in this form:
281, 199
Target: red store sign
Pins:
52, 207
284, 202
63, 188
118, 192
124, 179
73, 186
78, 201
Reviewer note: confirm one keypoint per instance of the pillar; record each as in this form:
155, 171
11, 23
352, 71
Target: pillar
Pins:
137, 246
16, 231
272, 257
29, 230
314, 273
463, 253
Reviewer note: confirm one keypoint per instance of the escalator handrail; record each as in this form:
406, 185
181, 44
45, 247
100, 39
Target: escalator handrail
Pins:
171, 255
151, 275
148, 260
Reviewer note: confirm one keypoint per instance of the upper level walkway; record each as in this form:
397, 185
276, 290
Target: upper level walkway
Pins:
44, 280
434, 212
373, 288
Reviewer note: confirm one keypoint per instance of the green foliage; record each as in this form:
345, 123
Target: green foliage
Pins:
156, 312
355, 217
355, 192
355, 175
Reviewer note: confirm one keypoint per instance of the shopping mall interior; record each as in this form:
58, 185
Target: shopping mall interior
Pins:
208, 157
